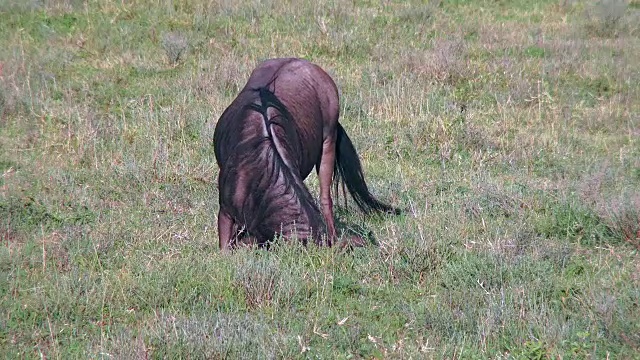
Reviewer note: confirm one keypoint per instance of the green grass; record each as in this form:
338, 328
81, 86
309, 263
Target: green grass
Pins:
510, 130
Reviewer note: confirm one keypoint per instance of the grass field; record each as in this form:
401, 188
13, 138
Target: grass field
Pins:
510, 130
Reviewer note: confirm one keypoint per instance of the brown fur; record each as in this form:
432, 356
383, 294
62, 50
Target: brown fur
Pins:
282, 124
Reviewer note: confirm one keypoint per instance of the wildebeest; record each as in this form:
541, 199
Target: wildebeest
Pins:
282, 124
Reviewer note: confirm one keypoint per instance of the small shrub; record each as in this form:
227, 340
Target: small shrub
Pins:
604, 19
175, 45
624, 222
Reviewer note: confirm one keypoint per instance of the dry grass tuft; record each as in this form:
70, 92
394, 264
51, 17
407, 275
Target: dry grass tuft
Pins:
265, 283
605, 18
623, 219
175, 45
444, 63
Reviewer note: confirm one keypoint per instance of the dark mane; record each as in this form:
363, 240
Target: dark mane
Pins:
279, 200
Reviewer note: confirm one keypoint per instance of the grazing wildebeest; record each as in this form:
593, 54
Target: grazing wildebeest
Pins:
282, 124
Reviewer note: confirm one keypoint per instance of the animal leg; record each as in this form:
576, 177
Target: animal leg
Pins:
225, 230
325, 174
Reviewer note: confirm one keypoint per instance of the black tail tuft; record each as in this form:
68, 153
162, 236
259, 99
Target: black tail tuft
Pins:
348, 168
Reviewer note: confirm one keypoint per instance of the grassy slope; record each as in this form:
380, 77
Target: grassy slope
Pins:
510, 130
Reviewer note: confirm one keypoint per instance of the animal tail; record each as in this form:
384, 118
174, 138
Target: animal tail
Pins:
349, 169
